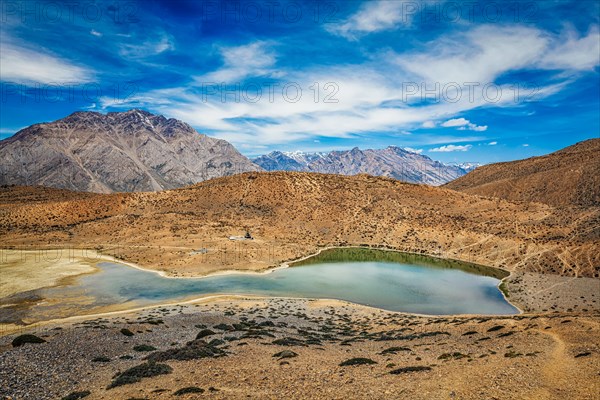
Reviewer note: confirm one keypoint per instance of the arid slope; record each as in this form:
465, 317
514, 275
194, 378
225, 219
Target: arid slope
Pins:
570, 176
290, 214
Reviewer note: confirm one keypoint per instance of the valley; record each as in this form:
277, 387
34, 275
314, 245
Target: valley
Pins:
247, 343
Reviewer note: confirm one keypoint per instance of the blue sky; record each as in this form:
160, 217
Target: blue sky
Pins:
457, 81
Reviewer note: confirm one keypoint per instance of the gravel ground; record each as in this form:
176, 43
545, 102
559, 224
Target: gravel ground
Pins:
537, 356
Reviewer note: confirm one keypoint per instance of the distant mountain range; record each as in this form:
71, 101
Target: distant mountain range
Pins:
136, 151
393, 162
116, 152
570, 176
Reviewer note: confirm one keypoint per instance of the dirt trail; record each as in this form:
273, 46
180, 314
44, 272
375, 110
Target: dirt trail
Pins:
559, 375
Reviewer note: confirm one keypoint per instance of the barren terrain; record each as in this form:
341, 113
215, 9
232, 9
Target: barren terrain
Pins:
237, 347
294, 349
570, 176
186, 232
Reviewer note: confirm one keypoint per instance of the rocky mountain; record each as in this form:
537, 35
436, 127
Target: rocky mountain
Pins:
570, 176
302, 157
393, 162
279, 161
116, 152
469, 166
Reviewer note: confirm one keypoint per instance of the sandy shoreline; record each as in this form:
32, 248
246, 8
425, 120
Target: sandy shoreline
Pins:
11, 328
24, 271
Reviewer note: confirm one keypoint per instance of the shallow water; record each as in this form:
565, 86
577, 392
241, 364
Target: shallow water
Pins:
388, 280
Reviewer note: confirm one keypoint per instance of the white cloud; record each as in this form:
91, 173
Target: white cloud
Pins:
463, 125
455, 122
451, 147
473, 127
573, 52
150, 47
482, 54
375, 16
417, 151
254, 59
478, 55
525, 145
382, 108
96, 33
492, 143
24, 64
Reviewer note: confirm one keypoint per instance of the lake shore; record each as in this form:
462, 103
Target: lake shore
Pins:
49, 300
544, 354
560, 293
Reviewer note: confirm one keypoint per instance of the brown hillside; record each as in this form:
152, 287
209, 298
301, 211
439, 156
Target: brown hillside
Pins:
570, 176
291, 214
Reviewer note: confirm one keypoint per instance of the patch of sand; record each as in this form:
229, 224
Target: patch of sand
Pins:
25, 270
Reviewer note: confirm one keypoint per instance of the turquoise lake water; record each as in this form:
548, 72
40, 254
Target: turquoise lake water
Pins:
388, 280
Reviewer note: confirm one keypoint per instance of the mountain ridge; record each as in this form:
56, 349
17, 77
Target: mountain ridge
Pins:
126, 151
392, 161
570, 176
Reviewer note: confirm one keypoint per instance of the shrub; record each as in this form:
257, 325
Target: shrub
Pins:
394, 350
126, 332
22, 339
495, 328
77, 395
135, 374
405, 370
357, 361
193, 350
285, 354
144, 347
204, 333
190, 389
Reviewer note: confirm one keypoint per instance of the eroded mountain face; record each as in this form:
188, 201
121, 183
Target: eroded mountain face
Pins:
116, 152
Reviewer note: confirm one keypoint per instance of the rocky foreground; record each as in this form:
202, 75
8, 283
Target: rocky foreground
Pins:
300, 349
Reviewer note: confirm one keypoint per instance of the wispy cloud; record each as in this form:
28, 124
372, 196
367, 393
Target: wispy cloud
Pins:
450, 148
148, 48
573, 52
483, 53
250, 60
374, 16
463, 124
478, 55
22, 63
